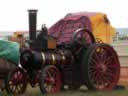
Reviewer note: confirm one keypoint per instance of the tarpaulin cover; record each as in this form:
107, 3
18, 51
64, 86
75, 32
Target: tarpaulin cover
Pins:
96, 22
63, 29
100, 25
10, 51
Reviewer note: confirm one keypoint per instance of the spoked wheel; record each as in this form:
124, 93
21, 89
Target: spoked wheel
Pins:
50, 81
83, 36
16, 81
101, 67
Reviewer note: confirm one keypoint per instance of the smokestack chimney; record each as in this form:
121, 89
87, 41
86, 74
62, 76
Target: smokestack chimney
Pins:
32, 24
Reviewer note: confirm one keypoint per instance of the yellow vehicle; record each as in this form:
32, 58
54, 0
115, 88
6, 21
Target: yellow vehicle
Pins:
101, 28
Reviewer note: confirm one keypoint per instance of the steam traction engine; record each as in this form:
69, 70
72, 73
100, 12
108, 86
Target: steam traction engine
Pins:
75, 63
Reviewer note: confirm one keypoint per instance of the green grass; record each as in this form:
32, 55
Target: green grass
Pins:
92, 93
36, 92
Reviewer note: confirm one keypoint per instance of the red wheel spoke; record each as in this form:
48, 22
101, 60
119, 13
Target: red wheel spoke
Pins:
107, 82
96, 56
94, 62
96, 76
48, 74
92, 69
107, 79
104, 56
107, 61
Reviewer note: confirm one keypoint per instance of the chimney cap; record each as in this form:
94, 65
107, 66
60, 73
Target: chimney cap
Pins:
32, 10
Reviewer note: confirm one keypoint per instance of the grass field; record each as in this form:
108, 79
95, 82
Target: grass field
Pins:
90, 93
78, 93
36, 92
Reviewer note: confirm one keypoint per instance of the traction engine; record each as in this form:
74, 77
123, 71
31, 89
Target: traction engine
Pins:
81, 61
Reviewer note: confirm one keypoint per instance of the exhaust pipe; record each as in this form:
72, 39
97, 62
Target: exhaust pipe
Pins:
32, 24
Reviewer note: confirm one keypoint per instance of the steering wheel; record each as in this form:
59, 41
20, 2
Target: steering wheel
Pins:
83, 36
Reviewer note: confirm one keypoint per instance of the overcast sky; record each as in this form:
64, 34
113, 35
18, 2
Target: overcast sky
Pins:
14, 16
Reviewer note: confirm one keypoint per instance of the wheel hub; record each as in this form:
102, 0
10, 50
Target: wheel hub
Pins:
51, 80
102, 67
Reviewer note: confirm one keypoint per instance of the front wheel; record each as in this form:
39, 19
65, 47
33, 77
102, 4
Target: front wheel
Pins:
16, 81
50, 81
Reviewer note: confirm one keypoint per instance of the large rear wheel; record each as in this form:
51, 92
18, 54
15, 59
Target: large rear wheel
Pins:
100, 67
